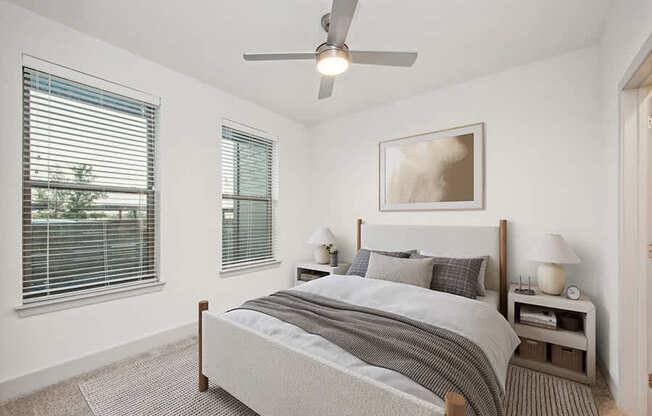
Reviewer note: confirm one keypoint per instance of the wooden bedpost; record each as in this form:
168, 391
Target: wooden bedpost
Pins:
455, 404
503, 267
203, 380
358, 234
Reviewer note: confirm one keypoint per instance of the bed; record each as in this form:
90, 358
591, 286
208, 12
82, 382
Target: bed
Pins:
277, 368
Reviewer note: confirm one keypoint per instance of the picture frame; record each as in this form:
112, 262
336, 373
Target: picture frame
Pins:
437, 170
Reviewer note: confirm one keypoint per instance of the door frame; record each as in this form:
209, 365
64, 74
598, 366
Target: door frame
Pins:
633, 238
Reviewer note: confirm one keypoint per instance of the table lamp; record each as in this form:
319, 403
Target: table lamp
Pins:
552, 251
320, 238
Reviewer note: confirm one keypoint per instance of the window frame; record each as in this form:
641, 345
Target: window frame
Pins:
273, 199
150, 192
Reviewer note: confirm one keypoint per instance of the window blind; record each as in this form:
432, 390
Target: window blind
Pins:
89, 206
249, 198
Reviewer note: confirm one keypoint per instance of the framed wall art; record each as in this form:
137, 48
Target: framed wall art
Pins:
432, 171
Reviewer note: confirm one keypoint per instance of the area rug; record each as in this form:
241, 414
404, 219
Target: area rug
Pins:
532, 393
166, 384
162, 385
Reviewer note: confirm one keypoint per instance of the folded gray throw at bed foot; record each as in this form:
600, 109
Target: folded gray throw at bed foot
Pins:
438, 359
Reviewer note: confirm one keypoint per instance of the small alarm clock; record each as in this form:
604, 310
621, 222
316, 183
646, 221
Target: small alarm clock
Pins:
573, 292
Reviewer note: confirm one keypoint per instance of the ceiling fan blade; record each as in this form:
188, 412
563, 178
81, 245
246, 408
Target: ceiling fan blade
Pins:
278, 56
383, 58
340, 21
326, 87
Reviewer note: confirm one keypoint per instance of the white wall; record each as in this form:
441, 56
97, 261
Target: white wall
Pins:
189, 228
627, 28
544, 164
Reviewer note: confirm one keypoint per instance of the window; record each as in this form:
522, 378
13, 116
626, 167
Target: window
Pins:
88, 188
249, 197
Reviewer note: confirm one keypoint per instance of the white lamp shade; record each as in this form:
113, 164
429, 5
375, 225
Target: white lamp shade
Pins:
322, 235
553, 249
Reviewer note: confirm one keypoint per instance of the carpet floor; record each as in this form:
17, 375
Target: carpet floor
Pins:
163, 381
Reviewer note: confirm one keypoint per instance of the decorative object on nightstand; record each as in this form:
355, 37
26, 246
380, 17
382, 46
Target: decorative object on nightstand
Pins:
552, 251
569, 348
310, 271
573, 292
521, 290
332, 251
320, 238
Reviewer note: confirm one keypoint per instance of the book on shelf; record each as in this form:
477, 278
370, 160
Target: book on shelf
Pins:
538, 317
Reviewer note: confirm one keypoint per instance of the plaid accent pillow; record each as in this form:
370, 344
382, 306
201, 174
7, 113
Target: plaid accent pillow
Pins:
456, 276
361, 260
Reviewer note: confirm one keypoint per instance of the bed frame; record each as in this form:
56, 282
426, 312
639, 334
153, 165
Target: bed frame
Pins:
275, 379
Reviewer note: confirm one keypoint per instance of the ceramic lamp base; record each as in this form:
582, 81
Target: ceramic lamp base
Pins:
321, 255
551, 278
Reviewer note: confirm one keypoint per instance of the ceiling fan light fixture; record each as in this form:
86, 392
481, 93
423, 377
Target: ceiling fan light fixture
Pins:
332, 61
332, 65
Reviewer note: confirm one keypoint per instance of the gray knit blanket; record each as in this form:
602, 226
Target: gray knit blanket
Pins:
436, 358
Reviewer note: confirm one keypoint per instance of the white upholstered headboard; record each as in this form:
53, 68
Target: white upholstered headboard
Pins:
447, 241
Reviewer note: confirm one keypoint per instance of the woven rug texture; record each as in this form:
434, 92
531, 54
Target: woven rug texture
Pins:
167, 385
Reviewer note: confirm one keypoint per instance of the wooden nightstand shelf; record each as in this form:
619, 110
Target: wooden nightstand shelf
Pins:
317, 270
583, 340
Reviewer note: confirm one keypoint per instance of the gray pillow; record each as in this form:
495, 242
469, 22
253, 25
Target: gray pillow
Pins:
456, 276
417, 272
480, 290
361, 260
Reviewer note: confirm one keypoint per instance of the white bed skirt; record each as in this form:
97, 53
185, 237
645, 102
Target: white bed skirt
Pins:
277, 380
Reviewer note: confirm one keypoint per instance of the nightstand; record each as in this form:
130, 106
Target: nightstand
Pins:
311, 271
561, 340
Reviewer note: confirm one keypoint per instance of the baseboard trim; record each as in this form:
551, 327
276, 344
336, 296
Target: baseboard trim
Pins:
613, 387
25, 384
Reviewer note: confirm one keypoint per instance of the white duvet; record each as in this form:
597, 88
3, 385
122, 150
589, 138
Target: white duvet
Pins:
475, 320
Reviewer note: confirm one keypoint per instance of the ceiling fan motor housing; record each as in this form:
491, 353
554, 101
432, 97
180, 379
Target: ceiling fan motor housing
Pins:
332, 51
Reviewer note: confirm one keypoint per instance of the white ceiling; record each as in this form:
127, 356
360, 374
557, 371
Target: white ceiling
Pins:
456, 40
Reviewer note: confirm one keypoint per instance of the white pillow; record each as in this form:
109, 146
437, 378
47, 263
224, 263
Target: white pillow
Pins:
480, 289
417, 272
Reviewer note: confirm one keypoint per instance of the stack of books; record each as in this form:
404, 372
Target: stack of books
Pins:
538, 317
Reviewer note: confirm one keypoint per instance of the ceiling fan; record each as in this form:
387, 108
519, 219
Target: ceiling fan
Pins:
333, 56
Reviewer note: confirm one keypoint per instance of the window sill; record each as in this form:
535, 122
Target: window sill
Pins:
74, 301
249, 268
